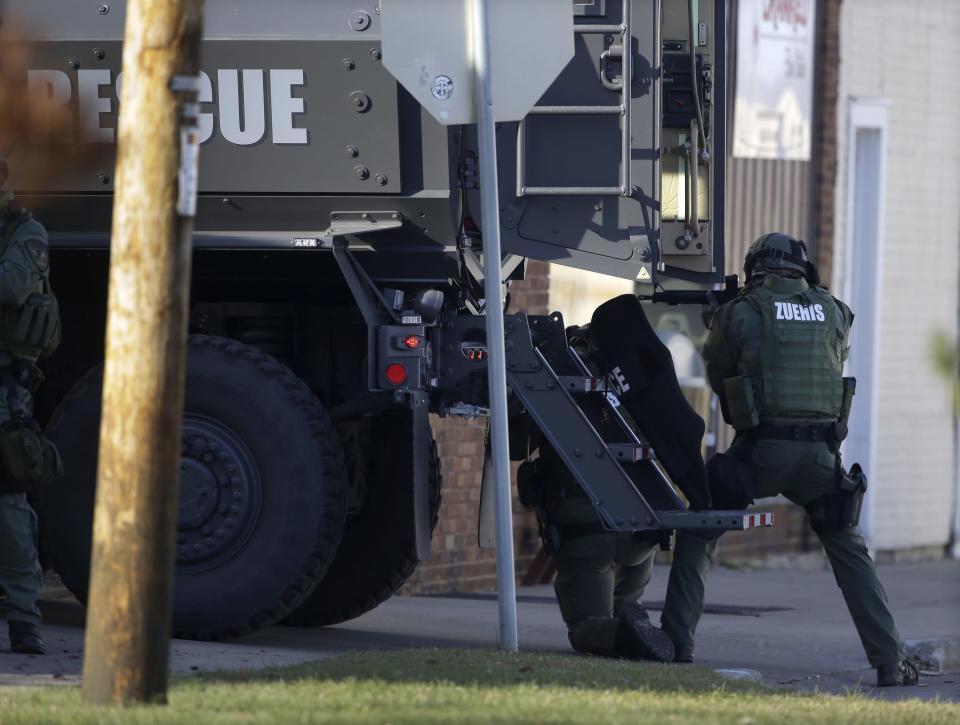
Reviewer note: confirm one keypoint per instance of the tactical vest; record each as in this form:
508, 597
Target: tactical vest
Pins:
31, 330
799, 372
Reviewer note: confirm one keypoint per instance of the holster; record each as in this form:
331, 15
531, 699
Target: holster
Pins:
840, 509
549, 533
854, 485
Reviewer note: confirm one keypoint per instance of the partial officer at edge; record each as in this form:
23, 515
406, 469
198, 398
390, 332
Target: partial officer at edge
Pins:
775, 358
29, 329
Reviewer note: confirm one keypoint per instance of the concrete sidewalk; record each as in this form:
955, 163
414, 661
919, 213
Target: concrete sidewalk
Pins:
790, 626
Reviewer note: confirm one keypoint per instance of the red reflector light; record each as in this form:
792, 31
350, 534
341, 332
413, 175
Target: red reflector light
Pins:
413, 341
396, 374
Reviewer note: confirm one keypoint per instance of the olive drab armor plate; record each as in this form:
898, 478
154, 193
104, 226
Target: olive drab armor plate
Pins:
32, 330
800, 366
598, 177
428, 49
300, 121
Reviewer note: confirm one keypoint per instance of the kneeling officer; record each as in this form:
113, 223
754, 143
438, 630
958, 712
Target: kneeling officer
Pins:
601, 574
29, 329
775, 358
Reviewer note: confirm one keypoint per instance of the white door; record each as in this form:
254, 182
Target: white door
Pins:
865, 188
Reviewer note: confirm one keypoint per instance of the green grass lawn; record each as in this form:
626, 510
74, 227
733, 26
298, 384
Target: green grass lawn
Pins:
467, 686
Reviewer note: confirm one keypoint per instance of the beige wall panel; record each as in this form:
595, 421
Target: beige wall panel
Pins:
906, 52
576, 294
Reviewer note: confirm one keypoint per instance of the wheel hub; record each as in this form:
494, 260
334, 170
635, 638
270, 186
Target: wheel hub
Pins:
220, 491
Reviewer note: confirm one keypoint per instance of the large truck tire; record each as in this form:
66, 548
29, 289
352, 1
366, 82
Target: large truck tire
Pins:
378, 552
262, 497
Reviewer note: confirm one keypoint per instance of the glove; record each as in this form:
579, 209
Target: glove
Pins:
698, 499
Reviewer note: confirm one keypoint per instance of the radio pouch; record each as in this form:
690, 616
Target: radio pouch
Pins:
741, 403
840, 427
30, 461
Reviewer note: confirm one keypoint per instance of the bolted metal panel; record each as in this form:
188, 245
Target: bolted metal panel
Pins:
428, 48
588, 190
583, 216
582, 206
233, 19
275, 117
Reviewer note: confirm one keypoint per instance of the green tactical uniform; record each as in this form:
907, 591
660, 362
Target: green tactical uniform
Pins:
789, 340
20, 573
599, 574
24, 292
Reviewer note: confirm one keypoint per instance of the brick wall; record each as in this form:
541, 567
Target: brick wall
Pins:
790, 534
458, 564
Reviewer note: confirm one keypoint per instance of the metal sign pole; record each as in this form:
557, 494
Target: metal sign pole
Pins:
496, 360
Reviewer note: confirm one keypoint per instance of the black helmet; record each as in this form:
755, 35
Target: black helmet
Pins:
778, 253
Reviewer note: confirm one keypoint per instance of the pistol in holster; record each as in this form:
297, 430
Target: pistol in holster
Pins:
549, 533
840, 509
853, 485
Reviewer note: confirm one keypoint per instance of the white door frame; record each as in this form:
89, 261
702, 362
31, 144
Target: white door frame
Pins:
955, 549
863, 281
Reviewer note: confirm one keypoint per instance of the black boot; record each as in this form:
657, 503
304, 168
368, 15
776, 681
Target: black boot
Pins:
897, 674
634, 610
683, 653
638, 639
25, 638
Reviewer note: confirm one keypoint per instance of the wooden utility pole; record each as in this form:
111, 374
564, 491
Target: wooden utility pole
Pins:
131, 582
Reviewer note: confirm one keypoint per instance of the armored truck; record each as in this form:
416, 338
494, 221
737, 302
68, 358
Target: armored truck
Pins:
337, 296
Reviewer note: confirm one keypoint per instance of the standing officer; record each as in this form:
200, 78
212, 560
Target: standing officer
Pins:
600, 574
775, 358
29, 328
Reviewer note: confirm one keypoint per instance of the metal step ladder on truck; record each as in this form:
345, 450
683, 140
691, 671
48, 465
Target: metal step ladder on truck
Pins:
337, 293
